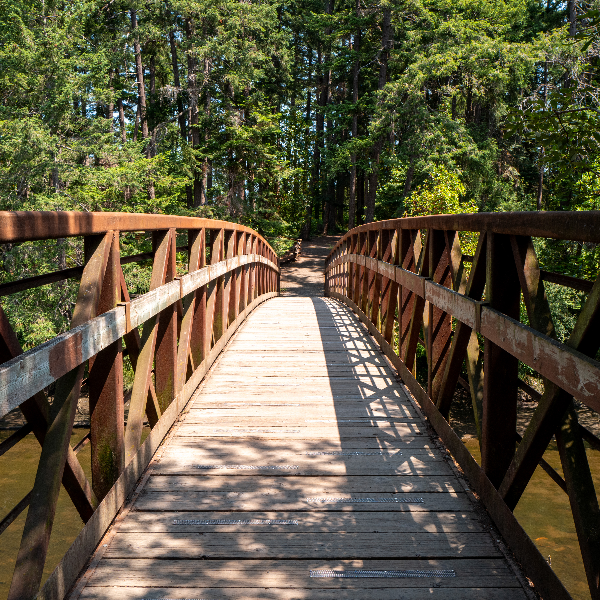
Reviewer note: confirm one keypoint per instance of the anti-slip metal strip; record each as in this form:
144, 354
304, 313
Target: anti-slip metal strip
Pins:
404, 574
365, 500
364, 420
247, 467
348, 453
235, 522
236, 430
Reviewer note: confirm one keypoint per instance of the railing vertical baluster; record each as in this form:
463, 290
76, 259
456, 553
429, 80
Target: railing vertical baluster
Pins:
142, 381
191, 350
441, 322
355, 290
245, 278
372, 246
348, 280
252, 271
165, 366
105, 384
238, 275
405, 297
216, 255
261, 271
229, 278
465, 341
341, 268
415, 319
502, 292
364, 274
391, 303
377, 308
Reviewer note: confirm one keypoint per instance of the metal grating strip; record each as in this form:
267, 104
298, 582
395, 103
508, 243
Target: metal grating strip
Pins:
365, 500
348, 453
239, 430
247, 467
404, 574
364, 420
235, 522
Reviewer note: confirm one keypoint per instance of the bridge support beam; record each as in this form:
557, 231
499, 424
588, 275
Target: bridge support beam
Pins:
499, 419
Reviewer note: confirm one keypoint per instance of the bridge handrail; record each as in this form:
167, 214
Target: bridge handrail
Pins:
186, 319
407, 275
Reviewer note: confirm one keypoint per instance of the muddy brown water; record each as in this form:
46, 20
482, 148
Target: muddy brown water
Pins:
17, 474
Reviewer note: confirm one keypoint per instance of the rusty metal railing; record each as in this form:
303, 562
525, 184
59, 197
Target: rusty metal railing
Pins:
185, 319
407, 281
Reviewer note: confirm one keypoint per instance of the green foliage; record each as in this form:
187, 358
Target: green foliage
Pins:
251, 116
440, 195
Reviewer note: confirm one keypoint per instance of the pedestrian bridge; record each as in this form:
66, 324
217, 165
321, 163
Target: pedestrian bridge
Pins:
296, 448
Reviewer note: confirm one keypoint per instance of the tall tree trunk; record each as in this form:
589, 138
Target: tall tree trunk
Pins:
111, 102
122, 120
319, 126
143, 116
140, 76
328, 183
305, 232
408, 181
206, 185
355, 83
386, 38
540, 192
572, 18
180, 108
340, 187
360, 196
177, 82
136, 127
194, 92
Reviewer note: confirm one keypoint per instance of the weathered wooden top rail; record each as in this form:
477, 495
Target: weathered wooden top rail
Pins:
185, 318
407, 276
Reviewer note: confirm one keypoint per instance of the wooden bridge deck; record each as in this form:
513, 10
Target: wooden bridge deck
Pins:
300, 452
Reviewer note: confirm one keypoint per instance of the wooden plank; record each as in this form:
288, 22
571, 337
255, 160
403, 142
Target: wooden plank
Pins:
348, 484
225, 445
202, 410
299, 500
278, 468
400, 430
295, 574
237, 593
307, 522
340, 545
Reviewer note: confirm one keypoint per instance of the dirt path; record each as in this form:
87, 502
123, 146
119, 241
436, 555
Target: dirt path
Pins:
305, 276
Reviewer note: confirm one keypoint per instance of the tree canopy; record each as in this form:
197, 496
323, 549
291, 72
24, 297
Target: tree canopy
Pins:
298, 116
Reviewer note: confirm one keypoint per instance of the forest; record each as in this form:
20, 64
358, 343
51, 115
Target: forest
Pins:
296, 117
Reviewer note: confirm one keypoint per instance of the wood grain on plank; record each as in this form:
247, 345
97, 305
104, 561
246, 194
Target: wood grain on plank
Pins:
479, 573
347, 484
303, 522
241, 593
